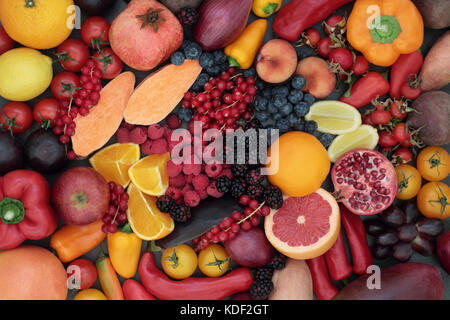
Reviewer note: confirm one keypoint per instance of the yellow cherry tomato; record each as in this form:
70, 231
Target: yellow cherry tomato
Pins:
213, 261
409, 181
433, 200
90, 294
179, 262
433, 163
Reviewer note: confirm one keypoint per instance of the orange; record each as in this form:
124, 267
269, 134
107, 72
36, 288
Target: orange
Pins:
150, 175
38, 24
298, 164
114, 161
90, 294
304, 227
433, 200
144, 217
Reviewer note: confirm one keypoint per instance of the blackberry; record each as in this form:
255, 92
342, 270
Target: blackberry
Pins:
223, 184
206, 60
238, 187
188, 16
239, 170
165, 204
260, 290
180, 213
278, 261
253, 176
177, 58
263, 273
255, 191
273, 197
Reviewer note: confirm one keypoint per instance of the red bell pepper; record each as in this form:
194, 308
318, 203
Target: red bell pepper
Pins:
133, 290
299, 15
159, 285
365, 90
356, 234
25, 211
406, 65
323, 288
337, 261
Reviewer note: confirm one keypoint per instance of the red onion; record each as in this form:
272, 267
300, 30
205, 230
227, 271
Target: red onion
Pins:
221, 22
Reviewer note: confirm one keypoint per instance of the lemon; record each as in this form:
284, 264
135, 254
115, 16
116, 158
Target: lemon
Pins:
334, 117
149, 174
25, 74
364, 137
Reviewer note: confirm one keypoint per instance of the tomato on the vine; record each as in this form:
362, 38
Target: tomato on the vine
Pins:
16, 117
94, 32
72, 54
64, 85
6, 43
433, 163
213, 261
46, 109
85, 271
108, 62
179, 262
432, 200
409, 181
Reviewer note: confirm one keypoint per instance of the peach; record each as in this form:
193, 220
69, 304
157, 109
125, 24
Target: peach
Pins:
277, 61
320, 81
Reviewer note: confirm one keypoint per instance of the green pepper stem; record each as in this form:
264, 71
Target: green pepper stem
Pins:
385, 29
11, 211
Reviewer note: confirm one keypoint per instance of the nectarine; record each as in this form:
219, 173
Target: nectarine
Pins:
320, 82
276, 61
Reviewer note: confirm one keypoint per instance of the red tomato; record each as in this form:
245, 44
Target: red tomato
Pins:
62, 83
408, 92
16, 117
360, 66
88, 272
324, 47
107, 58
94, 31
72, 54
313, 37
6, 43
341, 56
46, 109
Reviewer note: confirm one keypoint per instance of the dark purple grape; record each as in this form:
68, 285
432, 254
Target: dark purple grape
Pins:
430, 228
402, 251
407, 232
388, 238
381, 252
394, 216
374, 227
411, 212
423, 245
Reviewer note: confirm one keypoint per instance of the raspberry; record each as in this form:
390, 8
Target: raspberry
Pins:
213, 170
173, 121
200, 182
203, 194
167, 132
155, 132
138, 136
192, 168
128, 126
227, 173
146, 147
212, 190
186, 188
173, 169
180, 200
179, 181
159, 146
173, 192
123, 135
189, 178
191, 198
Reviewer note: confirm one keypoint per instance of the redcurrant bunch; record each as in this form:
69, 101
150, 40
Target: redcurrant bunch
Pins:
117, 211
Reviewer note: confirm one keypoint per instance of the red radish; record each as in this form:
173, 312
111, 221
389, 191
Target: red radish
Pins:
398, 110
312, 37
341, 56
367, 119
365, 180
400, 132
324, 47
404, 154
334, 22
360, 66
386, 139
381, 117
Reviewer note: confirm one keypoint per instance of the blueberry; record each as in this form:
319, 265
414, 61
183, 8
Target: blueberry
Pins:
286, 109
317, 134
299, 126
326, 139
261, 103
298, 82
280, 90
267, 93
177, 58
309, 99
293, 119
185, 44
213, 71
277, 116
220, 57
271, 108
310, 126
260, 85
295, 96
250, 73
193, 51
283, 125
279, 100
261, 116
301, 109
185, 114
269, 123
206, 60
224, 66
202, 79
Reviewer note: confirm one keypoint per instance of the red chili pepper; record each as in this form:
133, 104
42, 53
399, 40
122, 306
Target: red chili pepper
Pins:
159, 285
25, 211
356, 234
406, 65
337, 261
133, 290
323, 288
299, 15
365, 90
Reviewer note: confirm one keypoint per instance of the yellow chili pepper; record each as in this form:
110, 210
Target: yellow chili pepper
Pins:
243, 50
124, 249
264, 8
384, 29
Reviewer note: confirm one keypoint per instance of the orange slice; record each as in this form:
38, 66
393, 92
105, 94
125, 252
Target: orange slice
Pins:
150, 175
144, 217
114, 161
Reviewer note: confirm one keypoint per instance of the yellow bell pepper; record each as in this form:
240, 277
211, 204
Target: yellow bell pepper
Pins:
124, 249
265, 8
243, 50
384, 29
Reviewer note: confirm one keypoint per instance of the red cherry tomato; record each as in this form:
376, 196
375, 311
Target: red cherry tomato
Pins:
109, 60
62, 83
408, 92
94, 31
324, 47
6, 43
87, 272
16, 117
341, 56
360, 66
333, 21
313, 37
72, 54
46, 109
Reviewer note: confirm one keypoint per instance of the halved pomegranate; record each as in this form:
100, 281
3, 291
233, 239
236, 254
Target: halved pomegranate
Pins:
365, 181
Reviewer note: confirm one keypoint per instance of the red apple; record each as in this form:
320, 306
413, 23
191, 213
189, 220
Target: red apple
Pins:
80, 196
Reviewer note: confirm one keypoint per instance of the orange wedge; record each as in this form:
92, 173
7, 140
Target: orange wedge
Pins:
146, 221
150, 175
114, 161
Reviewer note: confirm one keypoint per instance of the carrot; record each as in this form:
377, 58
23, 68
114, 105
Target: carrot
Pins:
108, 279
159, 93
94, 130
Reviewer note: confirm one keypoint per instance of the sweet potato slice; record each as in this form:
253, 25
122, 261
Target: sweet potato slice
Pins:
94, 130
158, 94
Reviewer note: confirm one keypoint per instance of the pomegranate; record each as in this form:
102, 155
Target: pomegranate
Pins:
365, 181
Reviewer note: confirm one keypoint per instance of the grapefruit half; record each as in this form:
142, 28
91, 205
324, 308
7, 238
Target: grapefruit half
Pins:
304, 227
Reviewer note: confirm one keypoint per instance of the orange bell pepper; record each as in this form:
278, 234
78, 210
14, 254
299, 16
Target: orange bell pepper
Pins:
384, 29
